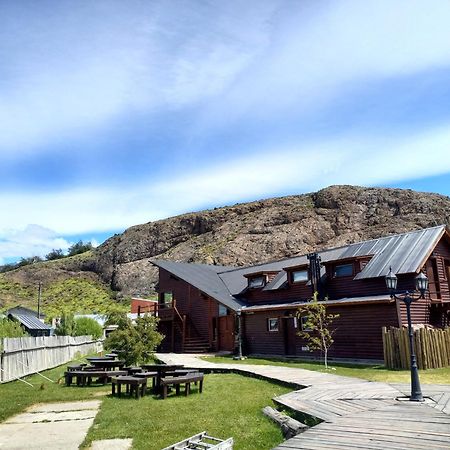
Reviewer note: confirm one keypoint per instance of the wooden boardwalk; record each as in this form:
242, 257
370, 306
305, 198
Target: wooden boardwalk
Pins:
355, 413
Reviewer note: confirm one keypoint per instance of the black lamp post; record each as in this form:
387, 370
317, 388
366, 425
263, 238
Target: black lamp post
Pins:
409, 297
239, 355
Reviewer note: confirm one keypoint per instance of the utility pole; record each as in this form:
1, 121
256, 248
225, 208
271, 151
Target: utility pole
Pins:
39, 300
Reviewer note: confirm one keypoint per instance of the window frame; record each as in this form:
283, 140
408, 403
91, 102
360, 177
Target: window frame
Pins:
273, 328
293, 281
222, 310
302, 321
258, 286
343, 265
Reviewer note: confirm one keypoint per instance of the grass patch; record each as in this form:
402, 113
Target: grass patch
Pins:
366, 372
17, 396
230, 405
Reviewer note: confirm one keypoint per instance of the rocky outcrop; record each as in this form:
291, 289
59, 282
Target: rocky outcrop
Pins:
265, 230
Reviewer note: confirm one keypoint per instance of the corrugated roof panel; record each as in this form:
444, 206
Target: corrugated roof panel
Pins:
30, 322
404, 253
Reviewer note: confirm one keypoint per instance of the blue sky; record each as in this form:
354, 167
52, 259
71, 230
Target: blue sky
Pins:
117, 113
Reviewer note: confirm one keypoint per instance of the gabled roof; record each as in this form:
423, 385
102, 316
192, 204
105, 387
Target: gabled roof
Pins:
405, 253
30, 322
205, 278
24, 311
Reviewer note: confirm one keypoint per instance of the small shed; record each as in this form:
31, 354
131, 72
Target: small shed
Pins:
32, 325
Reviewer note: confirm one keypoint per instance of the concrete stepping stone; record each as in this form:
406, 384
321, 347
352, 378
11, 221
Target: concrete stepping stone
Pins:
51, 426
112, 444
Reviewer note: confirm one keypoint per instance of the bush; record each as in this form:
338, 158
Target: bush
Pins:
86, 326
135, 343
9, 329
66, 325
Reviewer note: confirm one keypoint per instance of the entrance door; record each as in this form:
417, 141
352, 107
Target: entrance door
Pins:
289, 331
226, 333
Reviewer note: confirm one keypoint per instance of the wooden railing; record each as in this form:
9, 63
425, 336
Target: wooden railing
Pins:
432, 347
168, 311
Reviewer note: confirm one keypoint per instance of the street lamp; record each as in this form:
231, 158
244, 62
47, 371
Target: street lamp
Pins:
409, 297
239, 355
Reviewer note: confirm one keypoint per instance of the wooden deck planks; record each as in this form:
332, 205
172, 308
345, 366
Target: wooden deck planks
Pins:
357, 414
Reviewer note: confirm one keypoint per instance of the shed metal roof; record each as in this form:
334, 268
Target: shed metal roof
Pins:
30, 322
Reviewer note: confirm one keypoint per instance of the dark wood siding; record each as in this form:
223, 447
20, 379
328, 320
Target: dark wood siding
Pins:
199, 308
357, 335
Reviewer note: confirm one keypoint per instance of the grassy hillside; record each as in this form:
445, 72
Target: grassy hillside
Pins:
66, 286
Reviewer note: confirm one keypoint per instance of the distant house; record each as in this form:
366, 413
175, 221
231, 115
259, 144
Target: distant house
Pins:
199, 304
143, 305
29, 321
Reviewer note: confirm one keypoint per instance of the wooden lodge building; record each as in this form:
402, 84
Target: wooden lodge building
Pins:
199, 304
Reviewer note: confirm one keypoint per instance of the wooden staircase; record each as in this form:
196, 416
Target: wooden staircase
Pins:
195, 345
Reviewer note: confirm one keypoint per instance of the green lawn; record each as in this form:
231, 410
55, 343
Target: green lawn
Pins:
230, 405
367, 372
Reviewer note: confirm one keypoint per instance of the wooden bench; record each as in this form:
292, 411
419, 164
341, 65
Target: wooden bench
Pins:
179, 380
72, 367
132, 384
84, 377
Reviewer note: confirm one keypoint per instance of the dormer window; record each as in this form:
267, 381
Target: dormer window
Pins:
343, 270
299, 276
256, 282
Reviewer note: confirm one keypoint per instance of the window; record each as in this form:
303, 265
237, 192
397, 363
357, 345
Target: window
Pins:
303, 321
256, 282
223, 311
343, 270
299, 276
166, 298
272, 324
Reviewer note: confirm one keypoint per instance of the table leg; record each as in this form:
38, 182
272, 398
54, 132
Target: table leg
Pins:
201, 386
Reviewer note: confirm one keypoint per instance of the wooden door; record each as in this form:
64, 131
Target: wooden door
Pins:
289, 332
226, 333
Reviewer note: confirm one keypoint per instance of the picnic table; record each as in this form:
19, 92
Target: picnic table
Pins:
107, 364
84, 377
161, 370
177, 381
132, 384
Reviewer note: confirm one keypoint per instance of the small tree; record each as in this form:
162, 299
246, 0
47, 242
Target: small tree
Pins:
87, 326
10, 329
55, 254
317, 328
135, 343
79, 247
66, 325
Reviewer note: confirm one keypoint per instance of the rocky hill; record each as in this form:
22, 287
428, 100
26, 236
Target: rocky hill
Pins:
249, 233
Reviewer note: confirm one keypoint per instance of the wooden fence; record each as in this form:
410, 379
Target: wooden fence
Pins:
432, 347
28, 355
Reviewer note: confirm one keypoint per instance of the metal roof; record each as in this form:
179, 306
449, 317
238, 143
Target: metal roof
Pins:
24, 311
205, 278
405, 253
341, 301
30, 322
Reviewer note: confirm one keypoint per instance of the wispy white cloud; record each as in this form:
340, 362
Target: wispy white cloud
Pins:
99, 62
292, 169
33, 240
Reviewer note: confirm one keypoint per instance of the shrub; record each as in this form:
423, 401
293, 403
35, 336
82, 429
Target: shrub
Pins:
66, 325
135, 342
86, 326
9, 329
